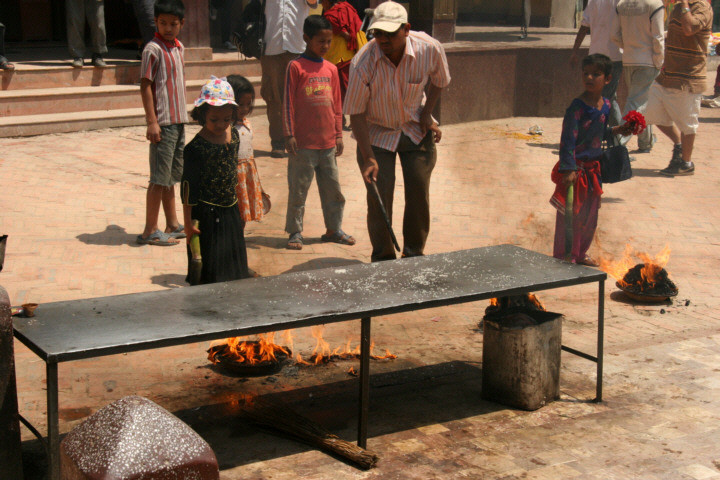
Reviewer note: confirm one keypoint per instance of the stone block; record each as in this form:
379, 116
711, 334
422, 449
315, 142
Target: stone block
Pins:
134, 438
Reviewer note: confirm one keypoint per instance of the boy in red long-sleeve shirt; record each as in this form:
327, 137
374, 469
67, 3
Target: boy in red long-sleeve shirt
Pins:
312, 119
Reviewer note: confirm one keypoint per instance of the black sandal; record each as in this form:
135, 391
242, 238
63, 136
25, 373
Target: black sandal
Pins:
5, 65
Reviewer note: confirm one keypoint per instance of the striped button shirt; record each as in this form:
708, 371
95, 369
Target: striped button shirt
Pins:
685, 66
393, 97
163, 64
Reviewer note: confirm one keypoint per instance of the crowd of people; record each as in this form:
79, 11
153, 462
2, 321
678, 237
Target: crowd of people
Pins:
318, 68
315, 71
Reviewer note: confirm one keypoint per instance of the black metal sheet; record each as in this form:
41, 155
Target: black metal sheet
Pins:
76, 329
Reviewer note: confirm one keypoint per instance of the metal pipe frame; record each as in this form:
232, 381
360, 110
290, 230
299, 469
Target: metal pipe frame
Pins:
364, 382
598, 359
53, 419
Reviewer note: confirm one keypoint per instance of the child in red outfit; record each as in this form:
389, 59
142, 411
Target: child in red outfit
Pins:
312, 113
585, 126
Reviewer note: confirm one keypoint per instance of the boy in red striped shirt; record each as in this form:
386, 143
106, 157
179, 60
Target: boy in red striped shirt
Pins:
312, 119
162, 89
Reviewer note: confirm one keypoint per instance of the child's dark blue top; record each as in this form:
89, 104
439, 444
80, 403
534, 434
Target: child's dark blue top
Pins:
584, 128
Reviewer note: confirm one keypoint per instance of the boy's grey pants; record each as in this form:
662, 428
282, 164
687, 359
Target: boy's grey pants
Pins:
301, 169
76, 11
639, 78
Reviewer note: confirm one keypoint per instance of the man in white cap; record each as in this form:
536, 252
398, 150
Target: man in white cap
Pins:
390, 115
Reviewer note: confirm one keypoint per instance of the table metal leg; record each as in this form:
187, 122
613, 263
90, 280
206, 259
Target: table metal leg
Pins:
53, 421
364, 382
600, 339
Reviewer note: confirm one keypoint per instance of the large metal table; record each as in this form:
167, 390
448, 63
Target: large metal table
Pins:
73, 330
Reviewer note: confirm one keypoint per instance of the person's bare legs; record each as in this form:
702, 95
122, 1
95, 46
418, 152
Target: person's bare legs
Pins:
672, 132
154, 198
688, 141
168, 204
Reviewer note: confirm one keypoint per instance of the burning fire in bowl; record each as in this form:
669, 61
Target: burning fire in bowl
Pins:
647, 281
249, 357
240, 357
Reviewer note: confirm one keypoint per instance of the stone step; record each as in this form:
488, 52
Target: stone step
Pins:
119, 72
41, 124
77, 99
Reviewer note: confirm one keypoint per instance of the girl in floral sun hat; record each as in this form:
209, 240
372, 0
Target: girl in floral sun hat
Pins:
208, 187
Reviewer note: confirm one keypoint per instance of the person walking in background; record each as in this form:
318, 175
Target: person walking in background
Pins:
674, 98
391, 116
77, 11
597, 21
347, 38
638, 30
145, 15
713, 101
4, 64
208, 187
312, 112
162, 88
283, 42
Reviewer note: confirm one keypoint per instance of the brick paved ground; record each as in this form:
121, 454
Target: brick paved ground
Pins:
73, 204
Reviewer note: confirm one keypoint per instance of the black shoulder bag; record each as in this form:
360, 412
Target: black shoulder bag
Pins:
615, 162
248, 38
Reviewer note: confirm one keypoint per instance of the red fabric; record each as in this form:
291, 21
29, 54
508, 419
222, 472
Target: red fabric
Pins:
344, 73
344, 17
588, 174
312, 108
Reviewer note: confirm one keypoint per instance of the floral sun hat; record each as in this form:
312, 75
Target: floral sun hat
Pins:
216, 92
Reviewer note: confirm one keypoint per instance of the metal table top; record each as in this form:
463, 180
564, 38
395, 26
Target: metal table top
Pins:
70, 330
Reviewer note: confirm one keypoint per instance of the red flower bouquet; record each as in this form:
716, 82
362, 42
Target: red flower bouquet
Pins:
636, 120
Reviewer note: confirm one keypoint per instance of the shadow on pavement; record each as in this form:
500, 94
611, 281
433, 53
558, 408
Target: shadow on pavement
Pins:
324, 262
170, 280
401, 400
112, 235
646, 172
550, 146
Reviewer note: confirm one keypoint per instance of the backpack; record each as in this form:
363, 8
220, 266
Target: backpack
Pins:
248, 38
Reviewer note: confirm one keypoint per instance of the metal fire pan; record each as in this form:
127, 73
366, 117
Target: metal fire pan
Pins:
646, 297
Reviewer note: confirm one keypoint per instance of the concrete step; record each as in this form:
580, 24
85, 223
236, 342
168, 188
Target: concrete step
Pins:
41, 124
78, 99
119, 72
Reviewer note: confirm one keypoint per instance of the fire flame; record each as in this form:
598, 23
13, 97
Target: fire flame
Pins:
652, 265
530, 298
249, 352
264, 349
323, 354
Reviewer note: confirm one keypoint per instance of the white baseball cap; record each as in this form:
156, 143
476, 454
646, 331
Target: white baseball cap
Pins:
389, 17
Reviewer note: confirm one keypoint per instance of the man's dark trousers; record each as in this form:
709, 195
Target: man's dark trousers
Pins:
417, 162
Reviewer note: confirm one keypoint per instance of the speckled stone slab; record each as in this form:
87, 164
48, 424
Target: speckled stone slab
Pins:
133, 439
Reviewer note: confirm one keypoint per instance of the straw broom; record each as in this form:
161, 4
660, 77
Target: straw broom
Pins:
284, 419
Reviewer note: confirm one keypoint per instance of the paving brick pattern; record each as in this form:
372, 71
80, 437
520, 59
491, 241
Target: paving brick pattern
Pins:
73, 204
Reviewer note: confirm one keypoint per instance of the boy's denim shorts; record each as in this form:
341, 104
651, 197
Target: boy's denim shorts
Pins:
166, 157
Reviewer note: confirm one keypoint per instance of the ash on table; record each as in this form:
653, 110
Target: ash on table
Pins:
635, 281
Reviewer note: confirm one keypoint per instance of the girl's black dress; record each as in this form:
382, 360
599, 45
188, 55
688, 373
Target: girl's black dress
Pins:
208, 184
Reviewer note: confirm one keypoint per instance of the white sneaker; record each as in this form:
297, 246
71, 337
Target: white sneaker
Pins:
710, 101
